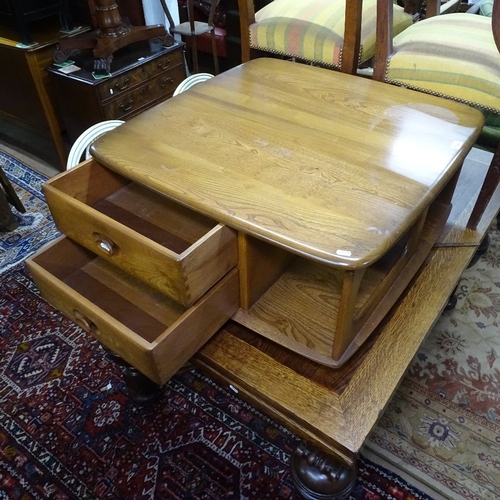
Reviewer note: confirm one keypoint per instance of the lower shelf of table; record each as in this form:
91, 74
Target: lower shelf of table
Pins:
335, 409
324, 313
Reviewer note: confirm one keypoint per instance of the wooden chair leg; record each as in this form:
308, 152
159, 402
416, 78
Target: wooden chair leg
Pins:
488, 188
7, 219
10, 192
194, 55
214, 52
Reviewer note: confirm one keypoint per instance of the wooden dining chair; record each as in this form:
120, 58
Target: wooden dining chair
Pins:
191, 81
455, 56
331, 33
80, 150
192, 28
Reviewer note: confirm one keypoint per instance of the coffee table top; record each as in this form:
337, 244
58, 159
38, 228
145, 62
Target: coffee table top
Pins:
329, 166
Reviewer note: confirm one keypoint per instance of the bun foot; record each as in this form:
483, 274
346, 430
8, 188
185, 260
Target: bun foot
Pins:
141, 389
318, 477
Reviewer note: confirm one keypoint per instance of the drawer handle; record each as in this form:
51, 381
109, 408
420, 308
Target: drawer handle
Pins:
164, 67
85, 323
106, 245
127, 106
124, 85
169, 80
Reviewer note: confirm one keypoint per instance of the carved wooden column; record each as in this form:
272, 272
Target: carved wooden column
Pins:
110, 36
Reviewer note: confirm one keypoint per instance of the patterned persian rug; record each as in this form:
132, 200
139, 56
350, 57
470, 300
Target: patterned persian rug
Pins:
68, 429
443, 424
35, 226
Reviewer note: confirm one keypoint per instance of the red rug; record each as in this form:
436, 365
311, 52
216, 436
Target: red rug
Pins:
69, 430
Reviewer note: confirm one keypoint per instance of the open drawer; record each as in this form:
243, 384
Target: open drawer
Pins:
174, 249
149, 330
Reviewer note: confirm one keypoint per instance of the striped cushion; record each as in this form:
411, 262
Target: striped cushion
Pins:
453, 55
313, 30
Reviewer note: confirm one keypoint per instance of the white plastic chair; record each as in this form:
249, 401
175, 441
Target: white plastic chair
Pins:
192, 80
82, 144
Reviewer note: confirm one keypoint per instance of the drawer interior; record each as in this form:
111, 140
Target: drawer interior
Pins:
143, 210
139, 307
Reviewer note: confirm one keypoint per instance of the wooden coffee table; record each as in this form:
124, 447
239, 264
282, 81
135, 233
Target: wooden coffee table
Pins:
340, 192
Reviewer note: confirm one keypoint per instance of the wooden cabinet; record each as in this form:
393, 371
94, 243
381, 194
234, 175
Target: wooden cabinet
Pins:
143, 75
26, 94
153, 280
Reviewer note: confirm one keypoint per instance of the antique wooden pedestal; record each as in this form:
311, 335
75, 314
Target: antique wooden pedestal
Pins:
300, 203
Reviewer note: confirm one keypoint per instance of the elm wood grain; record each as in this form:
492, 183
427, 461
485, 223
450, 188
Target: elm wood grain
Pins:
128, 218
311, 160
260, 265
326, 314
315, 163
146, 328
84, 201
335, 409
383, 54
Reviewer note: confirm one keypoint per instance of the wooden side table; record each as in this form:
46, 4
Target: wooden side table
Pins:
331, 204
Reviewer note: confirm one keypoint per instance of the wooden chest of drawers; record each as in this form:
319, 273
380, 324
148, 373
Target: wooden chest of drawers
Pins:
148, 278
142, 76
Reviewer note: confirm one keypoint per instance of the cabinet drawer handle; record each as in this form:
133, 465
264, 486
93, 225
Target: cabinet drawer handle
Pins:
164, 67
124, 85
106, 245
127, 106
85, 323
168, 80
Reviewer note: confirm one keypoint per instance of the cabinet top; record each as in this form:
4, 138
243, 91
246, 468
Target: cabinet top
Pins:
326, 165
124, 60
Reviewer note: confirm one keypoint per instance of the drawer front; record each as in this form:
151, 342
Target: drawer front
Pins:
158, 355
138, 231
122, 84
153, 91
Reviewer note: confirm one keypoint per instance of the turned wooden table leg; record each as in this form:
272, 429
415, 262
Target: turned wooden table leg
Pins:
141, 389
321, 477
